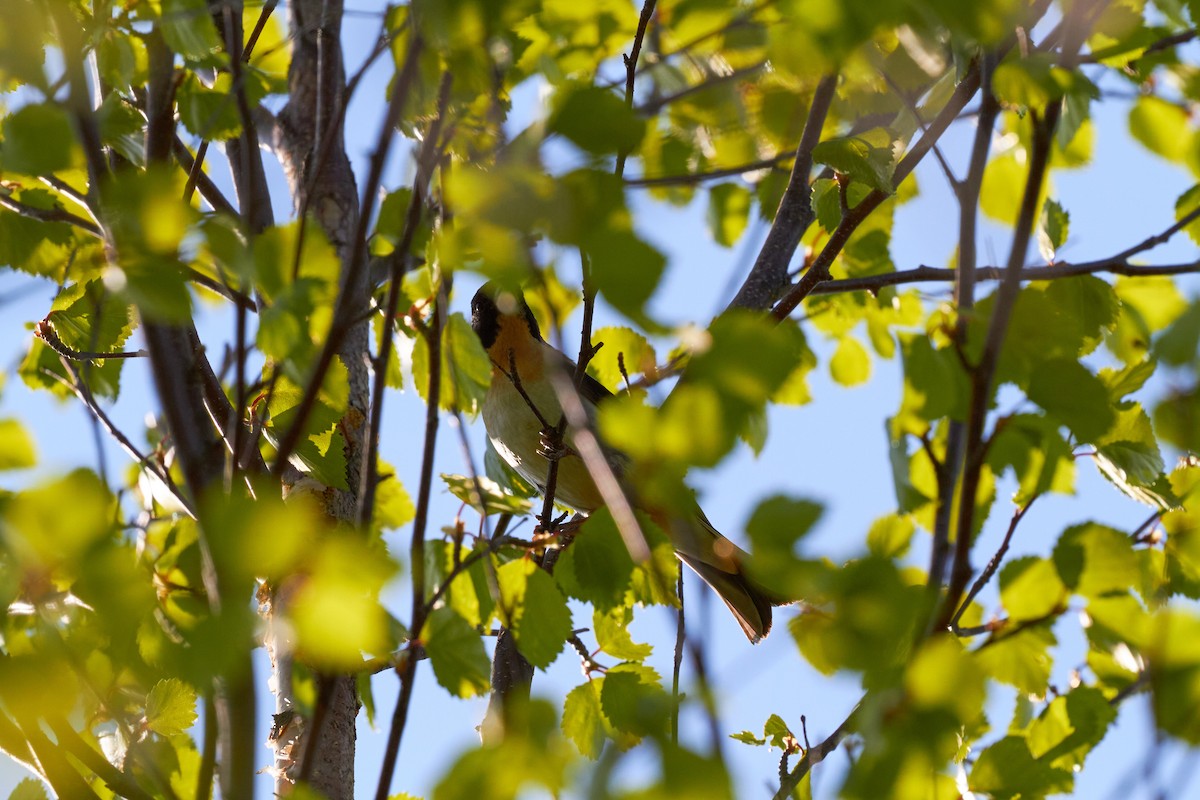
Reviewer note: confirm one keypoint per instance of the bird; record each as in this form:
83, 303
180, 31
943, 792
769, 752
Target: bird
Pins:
521, 391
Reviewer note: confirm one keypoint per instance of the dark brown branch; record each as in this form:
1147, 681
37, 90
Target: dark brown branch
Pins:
743, 18
1165, 43
926, 274
70, 740
44, 330
795, 212
47, 214
818, 271
426, 161
677, 664
982, 374
992, 565
81, 390
693, 178
814, 756
967, 193
651, 107
966, 89
408, 669
631, 61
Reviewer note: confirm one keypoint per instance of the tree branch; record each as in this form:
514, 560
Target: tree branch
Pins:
814, 756
992, 565
408, 670
426, 161
794, 215
47, 214
967, 192
927, 274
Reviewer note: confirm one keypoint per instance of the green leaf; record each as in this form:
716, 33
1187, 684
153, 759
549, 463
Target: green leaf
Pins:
1020, 659
1003, 188
1070, 726
1179, 344
728, 211
1129, 457
211, 112
29, 789
626, 269
1188, 203
494, 500
611, 629
170, 707
850, 365
943, 676
533, 608
597, 567
48, 531
776, 526
1161, 127
393, 506
890, 536
776, 731
466, 370
456, 653
17, 450
1031, 81
336, 613
858, 159
596, 120
38, 140
746, 737
188, 29
1041, 459
1094, 560
1074, 396
827, 203
634, 351
1053, 227
633, 701
935, 385
1126, 381
583, 718
1007, 769
1030, 588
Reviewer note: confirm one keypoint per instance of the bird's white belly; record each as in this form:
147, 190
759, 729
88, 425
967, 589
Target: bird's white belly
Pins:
516, 434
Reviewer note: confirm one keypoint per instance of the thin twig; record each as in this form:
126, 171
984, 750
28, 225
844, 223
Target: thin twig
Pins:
964, 278
651, 107
992, 565
408, 670
814, 756
631, 61
676, 668
47, 214
1063, 269
44, 330
426, 161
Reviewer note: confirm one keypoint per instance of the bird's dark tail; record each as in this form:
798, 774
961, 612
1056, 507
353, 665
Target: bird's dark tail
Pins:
750, 603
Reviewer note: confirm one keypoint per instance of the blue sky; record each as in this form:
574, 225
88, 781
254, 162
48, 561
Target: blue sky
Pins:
833, 450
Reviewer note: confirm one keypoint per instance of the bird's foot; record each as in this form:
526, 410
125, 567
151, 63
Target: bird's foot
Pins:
551, 448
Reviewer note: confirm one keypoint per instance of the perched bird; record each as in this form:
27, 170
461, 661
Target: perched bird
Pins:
522, 363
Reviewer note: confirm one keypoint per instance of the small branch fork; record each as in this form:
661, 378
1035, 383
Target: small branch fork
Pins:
988, 572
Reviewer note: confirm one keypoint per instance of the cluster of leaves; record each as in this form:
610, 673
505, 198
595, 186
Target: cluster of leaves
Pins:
113, 634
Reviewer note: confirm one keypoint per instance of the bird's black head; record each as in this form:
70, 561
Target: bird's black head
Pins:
491, 303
